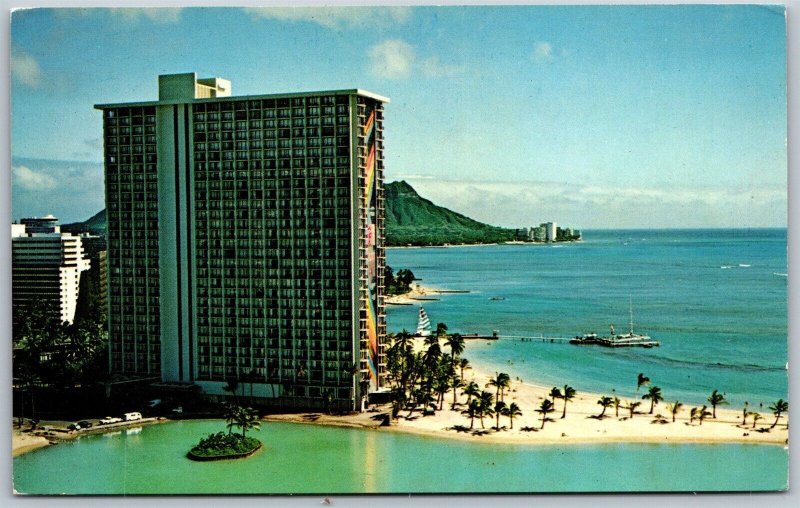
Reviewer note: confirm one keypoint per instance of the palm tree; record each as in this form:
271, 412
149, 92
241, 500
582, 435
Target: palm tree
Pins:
231, 416
231, 386
654, 394
631, 406
441, 330
463, 364
605, 402
617, 403
693, 414
486, 399
568, 395
674, 408
545, 407
641, 380
715, 400
473, 409
499, 409
756, 417
456, 344
511, 411
471, 390
455, 383
555, 393
777, 409
703, 414
744, 413
501, 382
247, 418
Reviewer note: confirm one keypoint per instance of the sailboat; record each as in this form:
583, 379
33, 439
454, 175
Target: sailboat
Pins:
424, 324
629, 339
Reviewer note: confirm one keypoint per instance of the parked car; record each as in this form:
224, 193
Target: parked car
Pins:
84, 424
73, 426
130, 417
109, 420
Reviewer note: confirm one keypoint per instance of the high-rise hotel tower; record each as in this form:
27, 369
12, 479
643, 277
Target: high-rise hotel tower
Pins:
246, 241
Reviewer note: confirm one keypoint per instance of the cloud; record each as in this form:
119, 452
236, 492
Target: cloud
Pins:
434, 68
517, 204
29, 179
69, 190
542, 52
335, 18
159, 15
392, 59
25, 69
397, 59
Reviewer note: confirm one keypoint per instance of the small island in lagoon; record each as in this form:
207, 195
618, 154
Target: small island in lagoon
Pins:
221, 446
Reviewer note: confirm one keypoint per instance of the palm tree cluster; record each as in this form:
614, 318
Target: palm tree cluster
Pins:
242, 417
420, 379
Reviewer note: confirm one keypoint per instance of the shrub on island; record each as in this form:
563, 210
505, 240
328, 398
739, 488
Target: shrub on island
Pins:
224, 446
230, 446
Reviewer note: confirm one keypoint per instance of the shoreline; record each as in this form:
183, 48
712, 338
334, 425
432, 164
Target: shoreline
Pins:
454, 245
417, 293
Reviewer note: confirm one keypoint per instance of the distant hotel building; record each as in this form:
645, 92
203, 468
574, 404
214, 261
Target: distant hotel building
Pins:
46, 268
246, 241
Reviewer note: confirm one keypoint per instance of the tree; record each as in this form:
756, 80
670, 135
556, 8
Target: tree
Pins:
654, 394
463, 364
777, 409
715, 400
231, 386
471, 390
641, 380
555, 393
441, 330
674, 408
693, 414
247, 418
456, 344
703, 414
567, 395
605, 402
631, 406
231, 416
472, 411
512, 411
500, 382
545, 407
455, 383
756, 417
744, 413
486, 406
499, 409
617, 403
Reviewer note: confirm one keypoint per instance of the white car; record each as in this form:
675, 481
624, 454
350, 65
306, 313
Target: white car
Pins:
109, 419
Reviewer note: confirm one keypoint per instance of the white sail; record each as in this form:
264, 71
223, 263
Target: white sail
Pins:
424, 324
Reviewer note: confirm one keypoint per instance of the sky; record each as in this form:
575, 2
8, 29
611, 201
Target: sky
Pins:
592, 117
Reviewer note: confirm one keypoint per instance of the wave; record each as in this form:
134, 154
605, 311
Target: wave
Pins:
780, 274
744, 367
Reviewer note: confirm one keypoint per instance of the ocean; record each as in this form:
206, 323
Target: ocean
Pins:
716, 300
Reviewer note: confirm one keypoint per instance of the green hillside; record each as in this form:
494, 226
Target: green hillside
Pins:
410, 220
413, 220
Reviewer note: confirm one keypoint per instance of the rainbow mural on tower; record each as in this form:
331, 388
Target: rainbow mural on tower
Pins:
370, 233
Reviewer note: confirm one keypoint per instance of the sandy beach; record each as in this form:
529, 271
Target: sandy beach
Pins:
582, 423
417, 295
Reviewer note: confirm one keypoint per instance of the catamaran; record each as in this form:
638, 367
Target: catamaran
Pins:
629, 339
424, 324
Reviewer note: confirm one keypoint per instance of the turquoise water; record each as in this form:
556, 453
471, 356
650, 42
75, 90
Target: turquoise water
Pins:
716, 299
308, 459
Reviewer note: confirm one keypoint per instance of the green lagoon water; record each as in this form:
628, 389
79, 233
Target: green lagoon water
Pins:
310, 459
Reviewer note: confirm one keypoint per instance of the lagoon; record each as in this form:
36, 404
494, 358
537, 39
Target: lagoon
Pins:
312, 459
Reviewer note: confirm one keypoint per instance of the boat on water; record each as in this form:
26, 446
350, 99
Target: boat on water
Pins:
629, 339
423, 324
